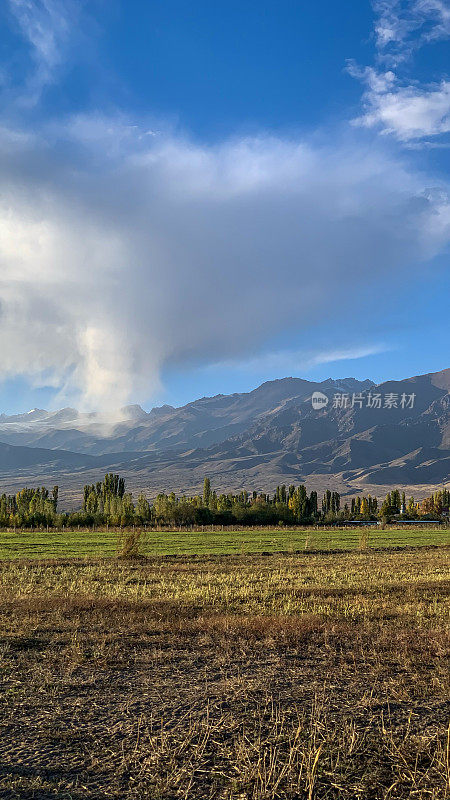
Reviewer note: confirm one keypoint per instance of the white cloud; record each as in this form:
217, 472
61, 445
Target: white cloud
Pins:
294, 362
124, 249
407, 112
49, 26
402, 27
117, 261
410, 111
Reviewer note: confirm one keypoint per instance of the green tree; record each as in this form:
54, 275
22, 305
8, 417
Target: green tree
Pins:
143, 508
206, 492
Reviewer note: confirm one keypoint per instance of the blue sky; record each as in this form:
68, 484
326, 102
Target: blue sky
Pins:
198, 197
213, 68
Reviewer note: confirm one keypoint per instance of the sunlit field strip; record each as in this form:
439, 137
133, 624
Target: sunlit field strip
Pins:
38, 544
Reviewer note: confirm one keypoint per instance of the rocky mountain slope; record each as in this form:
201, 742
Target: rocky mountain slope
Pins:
397, 433
197, 424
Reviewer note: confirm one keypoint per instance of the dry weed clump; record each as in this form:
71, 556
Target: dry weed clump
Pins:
130, 544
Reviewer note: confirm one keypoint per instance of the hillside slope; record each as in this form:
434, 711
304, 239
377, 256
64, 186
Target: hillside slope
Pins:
256, 439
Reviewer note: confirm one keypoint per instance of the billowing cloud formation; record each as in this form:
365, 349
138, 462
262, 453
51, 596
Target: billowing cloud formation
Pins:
121, 252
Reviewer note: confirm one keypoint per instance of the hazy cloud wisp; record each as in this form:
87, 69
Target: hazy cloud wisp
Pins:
404, 26
48, 26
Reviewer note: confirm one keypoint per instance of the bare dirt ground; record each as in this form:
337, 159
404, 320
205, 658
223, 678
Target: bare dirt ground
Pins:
240, 677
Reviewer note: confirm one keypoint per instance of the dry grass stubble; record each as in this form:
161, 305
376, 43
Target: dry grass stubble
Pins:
288, 677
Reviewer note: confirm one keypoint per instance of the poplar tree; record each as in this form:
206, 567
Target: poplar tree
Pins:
206, 492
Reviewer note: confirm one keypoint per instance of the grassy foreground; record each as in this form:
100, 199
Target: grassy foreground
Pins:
246, 677
41, 544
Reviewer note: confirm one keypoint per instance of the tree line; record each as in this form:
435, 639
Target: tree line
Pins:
29, 507
108, 503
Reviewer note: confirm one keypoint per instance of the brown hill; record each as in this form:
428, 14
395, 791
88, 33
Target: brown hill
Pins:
270, 435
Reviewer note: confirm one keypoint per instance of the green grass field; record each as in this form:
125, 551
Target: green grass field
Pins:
57, 544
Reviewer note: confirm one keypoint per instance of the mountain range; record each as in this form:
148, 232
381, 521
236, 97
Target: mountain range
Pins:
363, 437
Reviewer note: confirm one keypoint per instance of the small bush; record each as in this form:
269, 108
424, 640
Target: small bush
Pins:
363, 541
130, 545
